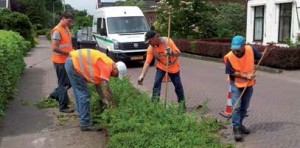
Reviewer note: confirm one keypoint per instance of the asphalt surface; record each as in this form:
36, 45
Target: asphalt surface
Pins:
273, 113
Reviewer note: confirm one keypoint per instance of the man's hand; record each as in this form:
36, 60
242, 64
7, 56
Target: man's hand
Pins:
168, 52
140, 80
250, 76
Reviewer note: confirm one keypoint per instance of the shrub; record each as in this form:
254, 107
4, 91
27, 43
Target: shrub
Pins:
12, 47
139, 122
17, 22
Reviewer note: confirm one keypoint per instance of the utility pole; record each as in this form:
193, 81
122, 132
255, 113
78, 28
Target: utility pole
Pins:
64, 5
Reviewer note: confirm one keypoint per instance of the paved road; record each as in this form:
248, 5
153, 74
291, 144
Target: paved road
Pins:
274, 110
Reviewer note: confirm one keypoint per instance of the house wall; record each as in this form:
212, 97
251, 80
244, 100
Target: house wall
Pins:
271, 20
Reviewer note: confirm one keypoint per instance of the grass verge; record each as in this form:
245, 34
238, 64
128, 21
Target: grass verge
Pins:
139, 122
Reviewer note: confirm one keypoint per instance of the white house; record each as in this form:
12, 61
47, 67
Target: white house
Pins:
5, 4
272, 21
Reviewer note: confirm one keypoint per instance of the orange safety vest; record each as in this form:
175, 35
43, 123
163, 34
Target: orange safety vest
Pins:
244, 64
84, 62
65, 44
173, 66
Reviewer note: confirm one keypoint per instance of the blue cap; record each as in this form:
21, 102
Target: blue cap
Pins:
237, 42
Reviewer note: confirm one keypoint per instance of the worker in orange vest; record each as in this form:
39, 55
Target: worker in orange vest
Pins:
89, 65
240, 68
159, 48
61, 42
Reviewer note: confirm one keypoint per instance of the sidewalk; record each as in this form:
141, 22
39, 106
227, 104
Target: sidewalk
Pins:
26, 126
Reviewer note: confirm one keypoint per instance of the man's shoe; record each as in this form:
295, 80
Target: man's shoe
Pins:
244, 130
237, 133
66, 110
90, 128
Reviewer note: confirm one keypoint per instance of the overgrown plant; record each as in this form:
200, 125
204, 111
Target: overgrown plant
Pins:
12, 46
139, 122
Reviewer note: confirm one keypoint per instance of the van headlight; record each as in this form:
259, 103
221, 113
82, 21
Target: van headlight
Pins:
116, 44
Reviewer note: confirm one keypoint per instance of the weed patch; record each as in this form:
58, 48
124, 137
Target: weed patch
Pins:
139, 122
46, 103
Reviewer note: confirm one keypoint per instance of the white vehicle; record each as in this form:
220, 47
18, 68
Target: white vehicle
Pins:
119, 32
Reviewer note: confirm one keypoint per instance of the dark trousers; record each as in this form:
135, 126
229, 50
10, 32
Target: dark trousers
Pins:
175, 78
63, 84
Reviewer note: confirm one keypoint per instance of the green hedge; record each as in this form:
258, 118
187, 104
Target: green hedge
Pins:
12, 48
17, 22
278, 57
139, 122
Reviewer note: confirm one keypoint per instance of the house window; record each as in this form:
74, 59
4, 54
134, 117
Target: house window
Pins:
285, 18
258, 23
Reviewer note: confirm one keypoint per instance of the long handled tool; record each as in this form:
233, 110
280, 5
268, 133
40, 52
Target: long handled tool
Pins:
240, 97
39, 62
168, 57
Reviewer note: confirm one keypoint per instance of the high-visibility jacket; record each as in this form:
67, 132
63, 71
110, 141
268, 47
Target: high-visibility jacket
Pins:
159, 54
245, 64
92, 64
65, 44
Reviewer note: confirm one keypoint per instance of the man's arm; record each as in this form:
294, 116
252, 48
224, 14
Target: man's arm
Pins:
56, 37
229, 70
105, 93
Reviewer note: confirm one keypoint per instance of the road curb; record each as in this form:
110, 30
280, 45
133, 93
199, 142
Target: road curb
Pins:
199, 57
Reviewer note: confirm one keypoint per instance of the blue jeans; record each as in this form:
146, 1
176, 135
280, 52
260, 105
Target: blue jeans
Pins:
63, 84
175, 78
81, 93
239, 113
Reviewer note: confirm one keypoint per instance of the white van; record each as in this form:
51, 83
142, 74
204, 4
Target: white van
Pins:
119, 32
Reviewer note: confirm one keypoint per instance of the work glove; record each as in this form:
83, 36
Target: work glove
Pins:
168, 51
140, 80
250, 76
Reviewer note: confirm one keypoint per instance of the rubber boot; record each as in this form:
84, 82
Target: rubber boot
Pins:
237, 133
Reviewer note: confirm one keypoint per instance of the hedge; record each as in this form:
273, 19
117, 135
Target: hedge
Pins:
12, 48
278, 57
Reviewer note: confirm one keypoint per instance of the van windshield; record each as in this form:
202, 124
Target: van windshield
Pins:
134, 24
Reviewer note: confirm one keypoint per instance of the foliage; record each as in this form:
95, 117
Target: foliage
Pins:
17, 22
230, 19
46, 103
139, 122
223, 20
12, 47
139, 3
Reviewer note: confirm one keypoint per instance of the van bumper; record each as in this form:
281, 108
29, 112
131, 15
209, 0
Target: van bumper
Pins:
128, 56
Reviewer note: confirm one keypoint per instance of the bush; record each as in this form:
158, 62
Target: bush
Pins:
139, 122
278, 57
12, 47
17, 22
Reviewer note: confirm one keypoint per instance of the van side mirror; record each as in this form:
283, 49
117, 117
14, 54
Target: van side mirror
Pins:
103, 32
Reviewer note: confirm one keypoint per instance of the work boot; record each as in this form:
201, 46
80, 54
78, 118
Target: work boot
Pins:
244, 130
237, 133
67, 110
90, 128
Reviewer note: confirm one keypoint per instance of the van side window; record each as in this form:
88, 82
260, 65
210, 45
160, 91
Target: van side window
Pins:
99, 22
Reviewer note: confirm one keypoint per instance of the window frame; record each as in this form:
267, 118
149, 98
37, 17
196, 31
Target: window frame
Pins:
263, 23
281, 18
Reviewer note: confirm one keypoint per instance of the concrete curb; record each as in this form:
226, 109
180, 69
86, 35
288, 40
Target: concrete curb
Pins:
199, 57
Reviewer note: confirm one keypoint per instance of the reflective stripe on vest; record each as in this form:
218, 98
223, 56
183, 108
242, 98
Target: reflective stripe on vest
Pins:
157, 57
244, 64
89, 65
85, 63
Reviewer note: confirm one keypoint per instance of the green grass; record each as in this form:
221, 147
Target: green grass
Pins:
139, 122
45, 103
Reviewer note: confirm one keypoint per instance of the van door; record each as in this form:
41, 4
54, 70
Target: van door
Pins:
101, 35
